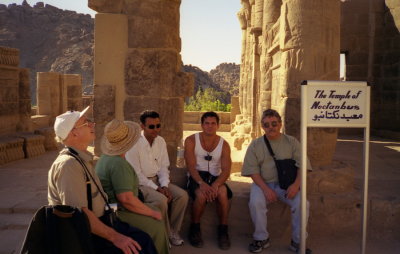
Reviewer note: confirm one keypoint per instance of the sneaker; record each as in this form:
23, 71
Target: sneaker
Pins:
175, 239
257, 246
295, 247
195, 235
224, 242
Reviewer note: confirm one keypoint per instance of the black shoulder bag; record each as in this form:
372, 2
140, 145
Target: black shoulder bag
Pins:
287, 170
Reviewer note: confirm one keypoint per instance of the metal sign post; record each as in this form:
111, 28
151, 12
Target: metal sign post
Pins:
339, 105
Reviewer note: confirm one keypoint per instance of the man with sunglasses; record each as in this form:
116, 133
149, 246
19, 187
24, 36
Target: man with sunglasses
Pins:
149, 158
260, 166
208, 160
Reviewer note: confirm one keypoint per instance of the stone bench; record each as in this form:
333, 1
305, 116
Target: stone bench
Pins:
49, 138
11, 149
32, 144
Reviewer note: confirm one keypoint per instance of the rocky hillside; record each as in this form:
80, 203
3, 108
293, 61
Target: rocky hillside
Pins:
49, 39
224, 78
227, 76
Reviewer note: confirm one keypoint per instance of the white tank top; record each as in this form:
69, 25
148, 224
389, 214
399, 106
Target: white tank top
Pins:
214, 165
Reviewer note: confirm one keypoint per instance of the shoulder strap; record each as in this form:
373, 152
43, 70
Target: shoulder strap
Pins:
269, 147
74, 154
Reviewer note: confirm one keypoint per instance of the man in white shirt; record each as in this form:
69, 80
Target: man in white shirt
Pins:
149, 158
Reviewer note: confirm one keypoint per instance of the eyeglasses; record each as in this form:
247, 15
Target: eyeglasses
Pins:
273, 124
152, 126
86, 123
208, 157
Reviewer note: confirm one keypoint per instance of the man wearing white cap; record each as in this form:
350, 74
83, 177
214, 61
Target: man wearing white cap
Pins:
67, 184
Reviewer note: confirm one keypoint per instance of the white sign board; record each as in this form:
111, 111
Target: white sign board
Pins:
334, 104
337, 104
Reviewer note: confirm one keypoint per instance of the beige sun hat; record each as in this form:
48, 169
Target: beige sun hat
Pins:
119, 136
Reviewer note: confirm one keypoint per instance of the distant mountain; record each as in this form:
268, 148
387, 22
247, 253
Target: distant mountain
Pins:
55, 40
224, 78
49, 39
227, 76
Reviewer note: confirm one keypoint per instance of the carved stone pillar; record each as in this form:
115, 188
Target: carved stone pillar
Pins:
138, 57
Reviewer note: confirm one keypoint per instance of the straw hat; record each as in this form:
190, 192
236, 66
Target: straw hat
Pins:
119, 137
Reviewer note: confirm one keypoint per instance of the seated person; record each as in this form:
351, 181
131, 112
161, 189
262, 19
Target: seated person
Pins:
260, 166
121, 183
208, 160
68, 186
149, 159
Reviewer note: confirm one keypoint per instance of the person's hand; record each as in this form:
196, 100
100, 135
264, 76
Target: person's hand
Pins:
207, 191
126, 244
166, 192
156, 215
270, 195
292, 190
214, 187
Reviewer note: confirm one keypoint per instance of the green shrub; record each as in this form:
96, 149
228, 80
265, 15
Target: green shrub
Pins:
207, 100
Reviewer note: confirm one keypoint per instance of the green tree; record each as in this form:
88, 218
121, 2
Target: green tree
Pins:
207, 100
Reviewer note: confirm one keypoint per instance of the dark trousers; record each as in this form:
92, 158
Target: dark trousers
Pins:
104, 246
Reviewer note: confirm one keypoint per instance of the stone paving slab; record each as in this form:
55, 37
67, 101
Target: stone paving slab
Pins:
15, 221
11, 240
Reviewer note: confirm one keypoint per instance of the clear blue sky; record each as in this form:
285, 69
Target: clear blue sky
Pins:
210, 30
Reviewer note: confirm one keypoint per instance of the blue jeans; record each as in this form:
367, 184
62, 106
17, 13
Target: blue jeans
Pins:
258, 211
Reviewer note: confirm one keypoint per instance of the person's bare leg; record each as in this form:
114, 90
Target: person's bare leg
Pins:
224, 242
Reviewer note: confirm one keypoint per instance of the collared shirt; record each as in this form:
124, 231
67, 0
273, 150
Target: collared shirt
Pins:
67, 182
149, 161
258, 160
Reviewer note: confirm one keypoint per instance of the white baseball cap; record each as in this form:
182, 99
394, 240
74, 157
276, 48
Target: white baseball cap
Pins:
65, 122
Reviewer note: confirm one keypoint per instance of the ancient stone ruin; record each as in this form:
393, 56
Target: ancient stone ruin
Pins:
138, 65
16, 140
23, 133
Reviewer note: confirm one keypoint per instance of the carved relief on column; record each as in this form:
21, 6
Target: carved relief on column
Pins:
309, 42
73, 84
9, 56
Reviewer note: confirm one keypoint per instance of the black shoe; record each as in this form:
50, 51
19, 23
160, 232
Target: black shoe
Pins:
195, 235
223, 238
257, 246
295, 247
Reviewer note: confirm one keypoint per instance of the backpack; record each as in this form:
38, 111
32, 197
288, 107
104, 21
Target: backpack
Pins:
56, 230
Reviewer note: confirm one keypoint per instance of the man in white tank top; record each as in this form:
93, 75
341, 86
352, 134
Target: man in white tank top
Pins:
208, 159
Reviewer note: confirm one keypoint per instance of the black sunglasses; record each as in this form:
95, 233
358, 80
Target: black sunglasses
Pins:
273, 124
152, 126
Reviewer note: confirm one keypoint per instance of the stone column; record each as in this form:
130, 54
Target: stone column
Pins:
111, 46
138, 63
49, 95
310, 49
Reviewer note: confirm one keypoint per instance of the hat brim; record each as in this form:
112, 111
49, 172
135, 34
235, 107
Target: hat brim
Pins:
84, 112
123, 146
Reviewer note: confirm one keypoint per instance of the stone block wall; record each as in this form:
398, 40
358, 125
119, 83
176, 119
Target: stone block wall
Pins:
57, 93
192, 121
370, 38
137, 59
